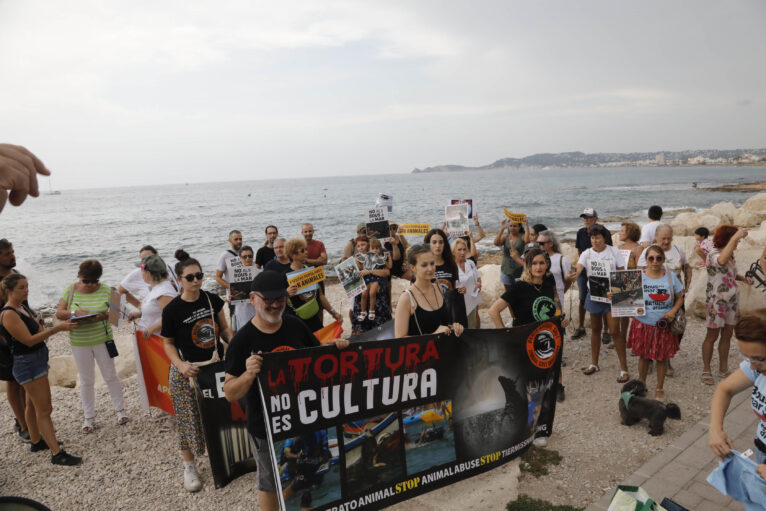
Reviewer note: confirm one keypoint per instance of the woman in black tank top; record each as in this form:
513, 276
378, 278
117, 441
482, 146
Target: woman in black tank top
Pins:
421, 309
30, 365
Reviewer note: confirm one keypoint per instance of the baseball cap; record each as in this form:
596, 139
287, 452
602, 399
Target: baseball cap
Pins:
270, 284
588, 213
153, 263
360, 226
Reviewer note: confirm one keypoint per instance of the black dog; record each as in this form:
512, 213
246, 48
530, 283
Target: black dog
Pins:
640, 407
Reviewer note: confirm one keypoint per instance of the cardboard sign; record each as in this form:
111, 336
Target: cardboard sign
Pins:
627, 293
416, 229
307, 278
377, 215
348, 273
385, 201
469, 202
516, 218
456, 218
241, 280
598, 280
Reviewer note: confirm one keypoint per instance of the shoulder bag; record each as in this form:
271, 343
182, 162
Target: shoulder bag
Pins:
678, 325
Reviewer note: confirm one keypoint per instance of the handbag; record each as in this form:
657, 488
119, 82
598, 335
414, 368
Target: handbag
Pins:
309, 309
632, 498
678, 325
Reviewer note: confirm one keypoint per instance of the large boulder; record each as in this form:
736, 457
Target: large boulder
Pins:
756, 203
726, 211
491, 287
684, 224
63, 371
745, 218
707, 220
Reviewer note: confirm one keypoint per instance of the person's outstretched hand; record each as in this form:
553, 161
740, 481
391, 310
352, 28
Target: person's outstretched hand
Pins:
18, 174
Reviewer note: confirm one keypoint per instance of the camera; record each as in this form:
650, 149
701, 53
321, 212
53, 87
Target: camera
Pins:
663, 323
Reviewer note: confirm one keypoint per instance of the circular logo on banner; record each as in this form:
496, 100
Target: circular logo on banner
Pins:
543, 345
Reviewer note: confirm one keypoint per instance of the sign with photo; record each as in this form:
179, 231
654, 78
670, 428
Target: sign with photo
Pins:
241, 279
469, 202
598, 280
387, 420
348, 273
627, 293
456, 218
385, 201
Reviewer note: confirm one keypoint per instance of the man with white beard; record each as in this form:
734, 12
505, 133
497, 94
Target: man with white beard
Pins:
267, 331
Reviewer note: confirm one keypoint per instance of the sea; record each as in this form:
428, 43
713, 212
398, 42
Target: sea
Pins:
52, 234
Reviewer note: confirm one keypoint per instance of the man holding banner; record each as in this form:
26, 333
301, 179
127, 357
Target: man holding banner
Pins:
267, 331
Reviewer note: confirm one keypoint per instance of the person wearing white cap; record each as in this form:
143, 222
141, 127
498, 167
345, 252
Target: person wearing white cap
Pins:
589, 217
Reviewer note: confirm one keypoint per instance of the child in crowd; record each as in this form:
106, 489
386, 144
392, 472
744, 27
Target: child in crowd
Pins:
704, 244
370, 257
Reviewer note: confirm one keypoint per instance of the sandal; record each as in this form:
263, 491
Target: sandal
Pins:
722, 375
167, 424
362, 315
669, 372
624, 377
659, 394
593, 368
371, 315
88, 426
122, 418
707, 378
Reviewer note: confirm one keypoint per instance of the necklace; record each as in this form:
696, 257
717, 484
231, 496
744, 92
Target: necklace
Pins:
427, 300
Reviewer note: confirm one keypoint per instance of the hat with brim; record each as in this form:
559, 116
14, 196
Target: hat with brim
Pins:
588, 213
270, 284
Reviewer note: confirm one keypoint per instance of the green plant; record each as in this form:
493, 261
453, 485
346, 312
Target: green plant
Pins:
535, 461
525, 503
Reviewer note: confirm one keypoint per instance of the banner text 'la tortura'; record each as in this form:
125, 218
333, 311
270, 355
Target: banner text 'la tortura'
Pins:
384, 421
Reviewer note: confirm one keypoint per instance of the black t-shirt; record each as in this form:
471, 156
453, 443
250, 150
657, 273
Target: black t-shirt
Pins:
445, 276
293, 334
582, 243
530, 305
275, 265
264, 255
396, 264
190, 326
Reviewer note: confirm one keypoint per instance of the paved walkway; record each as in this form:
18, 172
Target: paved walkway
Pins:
680, 471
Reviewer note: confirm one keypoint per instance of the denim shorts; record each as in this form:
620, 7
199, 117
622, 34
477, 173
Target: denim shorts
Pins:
506, 279
266, 480
597, 308
582, 285
30, 366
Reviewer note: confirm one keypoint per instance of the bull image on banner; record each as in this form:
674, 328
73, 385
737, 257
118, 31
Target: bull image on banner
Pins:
384, 421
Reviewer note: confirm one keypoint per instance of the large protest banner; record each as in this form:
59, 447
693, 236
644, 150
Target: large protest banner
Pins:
225, 425
152, 366
385, 421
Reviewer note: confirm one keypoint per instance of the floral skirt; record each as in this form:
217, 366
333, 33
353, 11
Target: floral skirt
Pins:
652, 342
190, 434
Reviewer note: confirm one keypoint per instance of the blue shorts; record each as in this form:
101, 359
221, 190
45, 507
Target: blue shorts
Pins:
506, 279
582, 285
597, 308
30, 366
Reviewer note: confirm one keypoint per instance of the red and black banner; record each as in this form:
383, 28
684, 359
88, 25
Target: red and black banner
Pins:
385, 421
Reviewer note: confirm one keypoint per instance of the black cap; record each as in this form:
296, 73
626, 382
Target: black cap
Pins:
270, 284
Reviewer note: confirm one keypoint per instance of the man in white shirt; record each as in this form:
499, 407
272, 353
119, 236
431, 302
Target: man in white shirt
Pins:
647, 231
133, 286
229, 258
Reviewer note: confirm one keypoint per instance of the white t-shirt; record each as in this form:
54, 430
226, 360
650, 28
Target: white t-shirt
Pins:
151, 312
647, 231
610, 255
135, 285
469, 278
243, 312
558, 263
675, 259
225, 263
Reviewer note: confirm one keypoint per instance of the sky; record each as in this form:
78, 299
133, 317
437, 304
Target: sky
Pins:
141, 93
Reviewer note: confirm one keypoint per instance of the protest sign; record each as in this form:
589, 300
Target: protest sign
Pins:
152, 365
225, 426
385, 201
307, 278
348, 273
354, 417
456, 218
241, 279
417, 229
469, 202
627, 293
598, 280
377, 224
516, 218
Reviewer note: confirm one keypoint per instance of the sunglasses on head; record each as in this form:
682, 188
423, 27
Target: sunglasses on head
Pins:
191, 276
88, 281
652, 259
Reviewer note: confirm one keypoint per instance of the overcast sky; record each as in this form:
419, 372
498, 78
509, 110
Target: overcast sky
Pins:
142, 92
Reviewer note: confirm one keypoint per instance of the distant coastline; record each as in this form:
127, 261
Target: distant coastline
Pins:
690, 158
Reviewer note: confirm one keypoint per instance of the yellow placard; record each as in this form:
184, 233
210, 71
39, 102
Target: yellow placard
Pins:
516, 218
421, 229
308, 278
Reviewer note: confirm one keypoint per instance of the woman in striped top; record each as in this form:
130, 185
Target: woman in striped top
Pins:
88, 341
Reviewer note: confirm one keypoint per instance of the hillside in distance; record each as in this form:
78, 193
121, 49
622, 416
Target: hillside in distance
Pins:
580, 159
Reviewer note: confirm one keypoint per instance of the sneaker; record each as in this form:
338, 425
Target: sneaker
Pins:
606, 338
40, 446
24, 436
64, 458
191, 479
540, 441
578, 334
560, 396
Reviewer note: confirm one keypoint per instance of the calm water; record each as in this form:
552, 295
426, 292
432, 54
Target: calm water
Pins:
52, 234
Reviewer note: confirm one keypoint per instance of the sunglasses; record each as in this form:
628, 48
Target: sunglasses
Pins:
652, 259
246, 256
302, 250
88, 281
191, 276
280, 299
